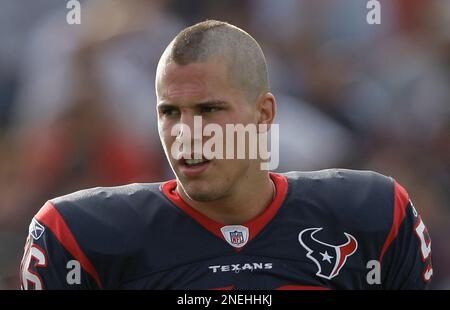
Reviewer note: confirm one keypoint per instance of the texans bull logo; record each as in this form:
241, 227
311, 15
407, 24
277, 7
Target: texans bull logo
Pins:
329, 258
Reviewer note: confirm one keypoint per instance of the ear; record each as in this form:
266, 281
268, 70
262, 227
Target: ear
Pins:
267, 108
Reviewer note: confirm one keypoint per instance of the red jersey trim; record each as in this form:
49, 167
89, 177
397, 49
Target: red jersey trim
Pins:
254, 226
52, 219
400, 204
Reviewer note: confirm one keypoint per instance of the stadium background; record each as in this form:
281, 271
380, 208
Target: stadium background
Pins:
77, 101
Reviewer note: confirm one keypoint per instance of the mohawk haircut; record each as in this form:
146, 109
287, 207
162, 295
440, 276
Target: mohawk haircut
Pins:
212, 39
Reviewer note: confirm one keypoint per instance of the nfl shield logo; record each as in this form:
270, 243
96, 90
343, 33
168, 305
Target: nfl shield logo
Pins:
236, 237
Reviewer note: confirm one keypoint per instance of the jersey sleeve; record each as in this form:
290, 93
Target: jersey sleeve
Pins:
52, 258
406, 255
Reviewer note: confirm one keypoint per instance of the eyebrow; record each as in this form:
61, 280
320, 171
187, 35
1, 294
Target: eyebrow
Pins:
165, 105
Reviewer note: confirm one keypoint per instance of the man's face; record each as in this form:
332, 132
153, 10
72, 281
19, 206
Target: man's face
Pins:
202, 89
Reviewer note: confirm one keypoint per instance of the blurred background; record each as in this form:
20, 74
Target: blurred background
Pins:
77, 102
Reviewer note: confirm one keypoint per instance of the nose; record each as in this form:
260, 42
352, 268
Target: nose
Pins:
189, 131
187, 122
184, 127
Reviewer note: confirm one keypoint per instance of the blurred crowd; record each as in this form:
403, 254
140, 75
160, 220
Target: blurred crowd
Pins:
77, 102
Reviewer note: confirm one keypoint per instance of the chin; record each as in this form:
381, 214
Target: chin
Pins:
199, 196
201, 192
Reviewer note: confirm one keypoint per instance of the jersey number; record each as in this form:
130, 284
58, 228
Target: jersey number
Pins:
34, 257
425, 248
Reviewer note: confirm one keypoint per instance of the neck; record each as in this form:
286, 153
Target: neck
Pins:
246, 200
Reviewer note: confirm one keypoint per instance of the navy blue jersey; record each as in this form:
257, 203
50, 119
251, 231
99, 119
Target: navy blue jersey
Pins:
331, 229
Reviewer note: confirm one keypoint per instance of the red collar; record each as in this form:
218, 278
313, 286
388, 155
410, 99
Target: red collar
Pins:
254, 226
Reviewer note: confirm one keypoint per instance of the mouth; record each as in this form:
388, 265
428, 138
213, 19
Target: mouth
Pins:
193, 167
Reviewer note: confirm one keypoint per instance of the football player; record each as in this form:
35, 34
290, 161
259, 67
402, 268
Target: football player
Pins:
226, 223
